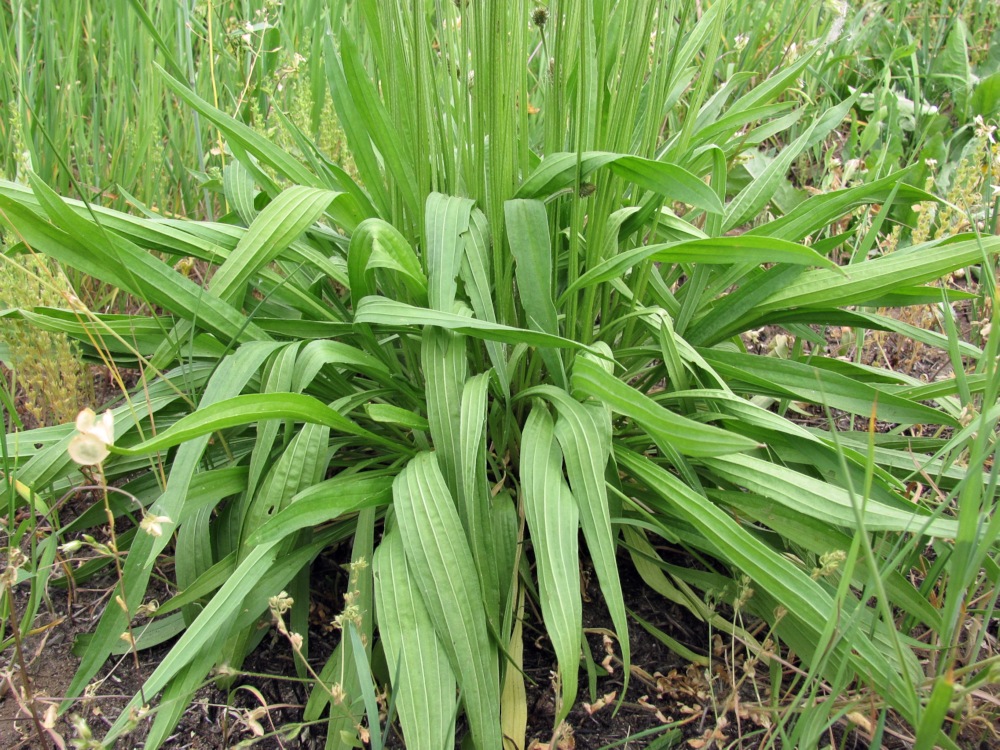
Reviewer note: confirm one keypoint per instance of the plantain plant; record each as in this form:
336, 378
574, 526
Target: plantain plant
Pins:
526, 318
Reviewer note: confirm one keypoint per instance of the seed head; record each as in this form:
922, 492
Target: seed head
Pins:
540, 17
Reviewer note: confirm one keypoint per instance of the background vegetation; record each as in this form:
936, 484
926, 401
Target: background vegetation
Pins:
478, 298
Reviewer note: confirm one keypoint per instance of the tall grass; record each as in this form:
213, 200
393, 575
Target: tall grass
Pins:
515, 330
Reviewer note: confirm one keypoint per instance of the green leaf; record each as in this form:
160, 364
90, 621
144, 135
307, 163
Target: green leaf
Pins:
986, 96
389, 414
345, 212
284, 219
241, 410
446, 219
528, 234
559, 171
446, 365
378, 244
822, 500
553, 520
584, 435
230, 377
810, 605
122, 264
324, 502
861, 282
422, 678
712, 251
440, 560
688, 437
790, 379
387, 312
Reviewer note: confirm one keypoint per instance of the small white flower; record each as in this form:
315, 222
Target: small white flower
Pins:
90, 446
153, 525
741, 41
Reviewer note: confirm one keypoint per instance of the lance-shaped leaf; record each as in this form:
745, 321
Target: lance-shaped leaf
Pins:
528, 234
584, 434
440, 560
688, 437
823, 500
553, 520
810, 604
787, 378
422, 678
249, 408
387, 312
446, 220
559, 171
282, 221
378, 244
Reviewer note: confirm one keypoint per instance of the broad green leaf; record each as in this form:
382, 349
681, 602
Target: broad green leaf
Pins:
787, 378
284, 219
299, 467
422, 678
584, 435
378, 244
816, 213
553, 520
445, 364
441, 562
446, 220
389, 414
559, 171
823, 500
528, 234
713, 251
820, 538
317, 354
387, 312
242, 410
476, 278
229, 378
474, 501
861, 282
118, 262
688, 437
761, 190
811, 605
325, 502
